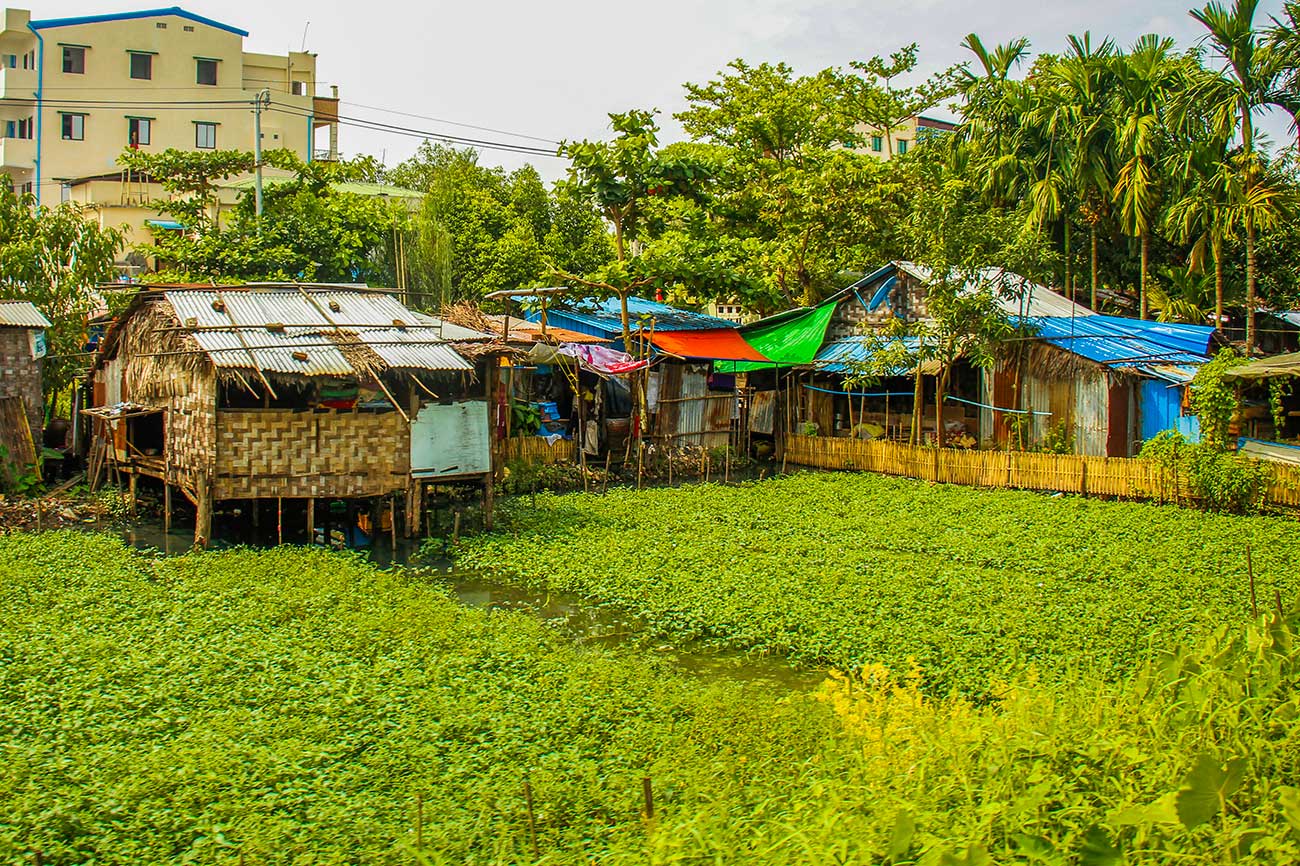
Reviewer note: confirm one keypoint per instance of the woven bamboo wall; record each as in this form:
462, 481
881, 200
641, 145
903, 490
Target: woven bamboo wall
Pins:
158, 374
1128, 478
265, 453
534, 449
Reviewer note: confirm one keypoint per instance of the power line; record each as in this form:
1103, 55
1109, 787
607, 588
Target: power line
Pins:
450, 122
377, 126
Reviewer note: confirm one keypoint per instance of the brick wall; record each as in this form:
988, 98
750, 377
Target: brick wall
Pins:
20, 376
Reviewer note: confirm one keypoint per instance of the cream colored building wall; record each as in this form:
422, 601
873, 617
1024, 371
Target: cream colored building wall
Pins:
905, 131
172, 100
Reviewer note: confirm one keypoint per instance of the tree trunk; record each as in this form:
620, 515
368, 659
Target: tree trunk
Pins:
1250, 289
940, 383
1068, 285
1218, 286
627, 326
1093, 300
917, 410
1142, 281
618, 240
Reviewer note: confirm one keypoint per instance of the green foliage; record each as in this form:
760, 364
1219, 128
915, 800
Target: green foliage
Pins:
1279, 388
1214, 479
482, 230
1214, 400
54, 257
292, 705
967, 583
309, 230
1059, 438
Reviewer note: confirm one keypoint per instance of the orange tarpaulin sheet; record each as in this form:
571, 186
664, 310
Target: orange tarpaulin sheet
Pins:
719, 344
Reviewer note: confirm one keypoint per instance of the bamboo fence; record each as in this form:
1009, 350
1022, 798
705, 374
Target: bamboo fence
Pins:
1123, 477
534, 449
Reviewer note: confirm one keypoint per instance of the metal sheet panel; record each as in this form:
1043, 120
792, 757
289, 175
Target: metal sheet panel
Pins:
22, 314
306, 330
450, 440
1091, 414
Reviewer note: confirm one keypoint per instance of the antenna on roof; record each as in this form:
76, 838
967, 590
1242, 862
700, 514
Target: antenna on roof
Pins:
304, 36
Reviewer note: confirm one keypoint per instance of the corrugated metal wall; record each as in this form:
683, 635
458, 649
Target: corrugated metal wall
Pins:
689, 413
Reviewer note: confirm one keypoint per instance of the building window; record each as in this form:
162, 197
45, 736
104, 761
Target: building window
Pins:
25, 126
142, 66
299, 88
188, 28
65, 192
205, 135
74, 127
877, 143
902, 146
161, 25
206, 71
27, 188
74, 60
11, 60
139, 130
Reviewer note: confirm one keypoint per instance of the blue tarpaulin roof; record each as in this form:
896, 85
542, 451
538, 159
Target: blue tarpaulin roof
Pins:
604, 318
1167, 350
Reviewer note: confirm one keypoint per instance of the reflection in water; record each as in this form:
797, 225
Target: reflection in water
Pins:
576, 619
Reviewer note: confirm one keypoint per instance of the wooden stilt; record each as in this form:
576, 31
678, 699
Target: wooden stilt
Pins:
392, 523
279, 520
202, 510
489, 504
131, 491
167, 507
311, 522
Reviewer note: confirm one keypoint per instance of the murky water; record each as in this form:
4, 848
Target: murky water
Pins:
576, 619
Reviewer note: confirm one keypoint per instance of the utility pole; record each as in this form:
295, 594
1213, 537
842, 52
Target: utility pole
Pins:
257, 152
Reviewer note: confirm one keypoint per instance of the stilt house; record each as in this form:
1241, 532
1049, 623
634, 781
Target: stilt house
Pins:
290, 392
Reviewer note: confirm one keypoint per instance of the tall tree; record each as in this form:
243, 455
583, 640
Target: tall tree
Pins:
1243, 87
1144, 76
621, 178
54, 258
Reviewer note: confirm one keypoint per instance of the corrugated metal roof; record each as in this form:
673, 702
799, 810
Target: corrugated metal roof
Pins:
1168, 351
22, 314
1031, 298
604, 318
369, 316
843, 355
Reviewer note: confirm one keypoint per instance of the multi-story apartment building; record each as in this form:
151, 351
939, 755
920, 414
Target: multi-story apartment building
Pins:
902, 137
74, 92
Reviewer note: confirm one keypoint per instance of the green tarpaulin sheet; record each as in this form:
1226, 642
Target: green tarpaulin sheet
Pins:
790, 341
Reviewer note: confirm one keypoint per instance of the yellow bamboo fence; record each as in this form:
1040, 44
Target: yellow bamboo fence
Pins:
1128, 478
534, 449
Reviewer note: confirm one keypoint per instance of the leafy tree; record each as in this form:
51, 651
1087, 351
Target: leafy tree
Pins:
308, 229
621, 178
55, 257
1145, 77
481, 229
1245, 85
873, 97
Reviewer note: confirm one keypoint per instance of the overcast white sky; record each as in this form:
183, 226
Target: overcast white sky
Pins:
554, 69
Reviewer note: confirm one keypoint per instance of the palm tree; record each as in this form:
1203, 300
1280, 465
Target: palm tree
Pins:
1144, 78
1199, 215
994, 106
1085, 77
1245, 85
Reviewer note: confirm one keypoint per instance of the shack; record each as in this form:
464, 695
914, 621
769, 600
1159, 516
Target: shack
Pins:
290, 392
1095, 385
688, 402
22, 406
812, 350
